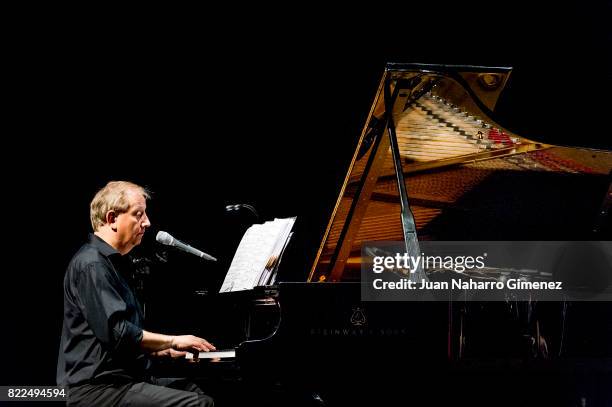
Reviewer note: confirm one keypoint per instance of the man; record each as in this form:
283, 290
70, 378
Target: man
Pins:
103, 350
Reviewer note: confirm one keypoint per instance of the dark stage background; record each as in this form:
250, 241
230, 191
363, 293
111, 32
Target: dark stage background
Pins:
258, 112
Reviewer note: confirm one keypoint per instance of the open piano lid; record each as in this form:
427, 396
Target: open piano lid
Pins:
466, 177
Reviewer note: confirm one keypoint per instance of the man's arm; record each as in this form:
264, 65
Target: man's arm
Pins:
104, 309
154, 342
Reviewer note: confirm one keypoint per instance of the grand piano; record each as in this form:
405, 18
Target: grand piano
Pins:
432, 163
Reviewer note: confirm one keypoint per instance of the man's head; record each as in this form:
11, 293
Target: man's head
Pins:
118, 214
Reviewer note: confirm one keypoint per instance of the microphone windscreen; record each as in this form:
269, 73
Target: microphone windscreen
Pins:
164, 238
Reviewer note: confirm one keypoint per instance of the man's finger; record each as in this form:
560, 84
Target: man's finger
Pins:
178, 354
208, 345
200, 348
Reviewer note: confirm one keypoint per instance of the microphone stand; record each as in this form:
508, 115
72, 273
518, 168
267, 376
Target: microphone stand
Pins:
141, 270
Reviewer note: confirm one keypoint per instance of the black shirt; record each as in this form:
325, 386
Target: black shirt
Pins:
103, 321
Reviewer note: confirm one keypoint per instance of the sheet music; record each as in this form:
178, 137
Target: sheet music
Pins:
271, 276
258, 252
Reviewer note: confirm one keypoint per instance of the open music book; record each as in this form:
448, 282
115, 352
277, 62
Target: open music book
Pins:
258, 255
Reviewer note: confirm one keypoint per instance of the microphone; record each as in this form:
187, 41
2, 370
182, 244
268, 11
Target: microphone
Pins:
236, 207
167, 239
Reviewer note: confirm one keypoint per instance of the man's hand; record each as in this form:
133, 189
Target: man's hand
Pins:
169, 354
154, 342
191, 343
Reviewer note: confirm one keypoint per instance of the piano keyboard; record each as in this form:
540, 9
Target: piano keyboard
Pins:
219, 354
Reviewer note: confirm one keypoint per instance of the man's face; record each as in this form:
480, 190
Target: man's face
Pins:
131, 225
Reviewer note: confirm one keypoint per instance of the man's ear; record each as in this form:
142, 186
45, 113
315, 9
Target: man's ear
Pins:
111, 219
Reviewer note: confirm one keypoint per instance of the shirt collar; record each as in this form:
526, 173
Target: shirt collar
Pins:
104, 248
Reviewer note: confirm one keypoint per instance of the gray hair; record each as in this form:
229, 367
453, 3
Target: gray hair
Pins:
113, 197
